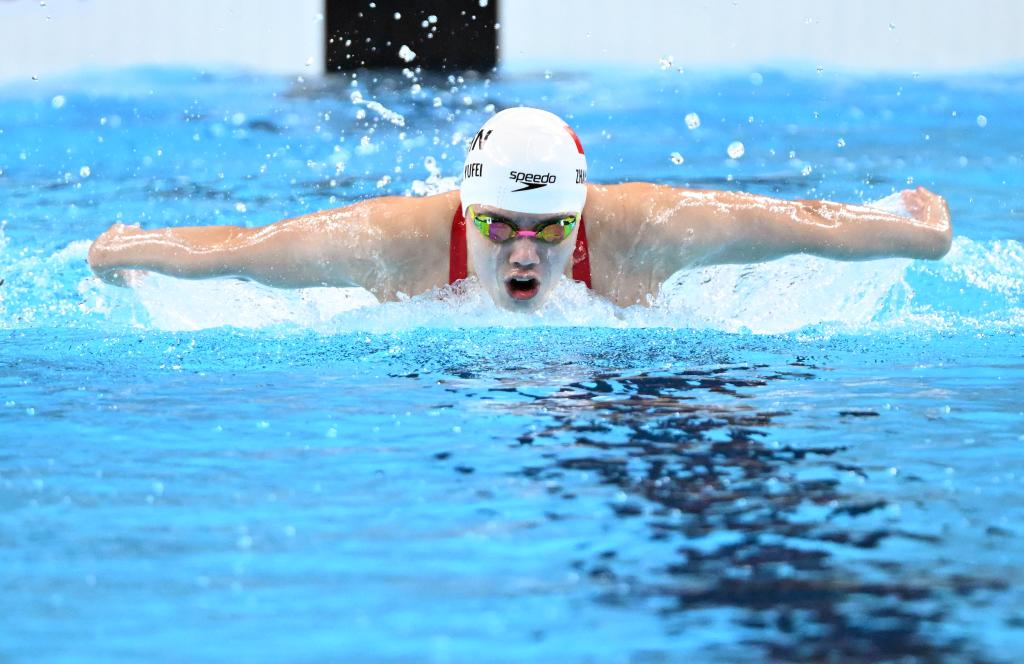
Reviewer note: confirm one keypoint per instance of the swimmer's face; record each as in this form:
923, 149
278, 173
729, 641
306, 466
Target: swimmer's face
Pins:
521, 273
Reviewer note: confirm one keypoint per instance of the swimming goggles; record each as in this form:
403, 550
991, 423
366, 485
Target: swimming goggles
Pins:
502, 230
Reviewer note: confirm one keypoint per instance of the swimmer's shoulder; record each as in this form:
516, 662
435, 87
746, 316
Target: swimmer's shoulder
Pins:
416, 233
615, 204
614, 211
421, 216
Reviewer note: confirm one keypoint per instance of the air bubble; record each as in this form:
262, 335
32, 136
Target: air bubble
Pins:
676, 158
59, 101
735, 150
982, 121
240, 207
806, 170
692, 120
665, 62
85, 171
841, 143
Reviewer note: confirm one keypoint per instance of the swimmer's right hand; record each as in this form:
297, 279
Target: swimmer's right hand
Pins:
104, 252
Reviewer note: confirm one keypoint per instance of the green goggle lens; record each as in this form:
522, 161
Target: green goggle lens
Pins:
499, 230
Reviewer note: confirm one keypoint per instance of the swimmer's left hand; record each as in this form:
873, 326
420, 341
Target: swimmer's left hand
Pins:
932, 211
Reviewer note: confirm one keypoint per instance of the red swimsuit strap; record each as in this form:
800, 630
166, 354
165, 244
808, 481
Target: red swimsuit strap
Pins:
458, 259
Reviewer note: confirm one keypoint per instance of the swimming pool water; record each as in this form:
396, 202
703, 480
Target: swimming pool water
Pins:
802, 460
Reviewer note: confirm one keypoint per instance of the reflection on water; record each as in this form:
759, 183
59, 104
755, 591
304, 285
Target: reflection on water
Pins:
755, 535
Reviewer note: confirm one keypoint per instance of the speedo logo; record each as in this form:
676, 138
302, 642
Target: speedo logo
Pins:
531, 180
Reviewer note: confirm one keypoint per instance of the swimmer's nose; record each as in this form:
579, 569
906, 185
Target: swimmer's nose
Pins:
524, 253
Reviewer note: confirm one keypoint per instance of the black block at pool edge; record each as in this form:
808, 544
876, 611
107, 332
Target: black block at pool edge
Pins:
463, 35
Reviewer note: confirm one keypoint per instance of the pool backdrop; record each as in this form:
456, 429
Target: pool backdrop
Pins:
800, 460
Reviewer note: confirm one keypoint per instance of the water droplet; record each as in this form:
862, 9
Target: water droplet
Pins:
59, 101
819, 69
406, 53
85, 171
982, 121
665, 62
892, 26
398, 15
676, 158
692, 120
841, 143
756, 78
735, 150
806, 170
240, 207
910, 180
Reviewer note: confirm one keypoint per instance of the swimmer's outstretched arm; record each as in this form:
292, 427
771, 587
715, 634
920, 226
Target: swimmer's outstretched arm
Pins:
685, 228
386, 245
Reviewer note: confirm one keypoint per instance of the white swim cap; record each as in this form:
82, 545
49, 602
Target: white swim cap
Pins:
525, 160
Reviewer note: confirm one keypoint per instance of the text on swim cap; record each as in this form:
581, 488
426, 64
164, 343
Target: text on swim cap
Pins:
480, 139
473, 171
532, 178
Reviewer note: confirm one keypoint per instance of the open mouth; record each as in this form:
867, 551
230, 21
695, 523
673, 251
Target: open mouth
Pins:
522, 288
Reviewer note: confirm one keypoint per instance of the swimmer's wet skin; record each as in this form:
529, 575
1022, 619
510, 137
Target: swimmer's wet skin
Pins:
525, 172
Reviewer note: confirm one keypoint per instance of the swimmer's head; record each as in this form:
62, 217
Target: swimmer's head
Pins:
525, 166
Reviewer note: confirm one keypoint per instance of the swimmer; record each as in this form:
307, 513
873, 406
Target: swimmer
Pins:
523, 217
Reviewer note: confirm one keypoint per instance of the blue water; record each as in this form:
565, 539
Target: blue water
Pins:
802, 460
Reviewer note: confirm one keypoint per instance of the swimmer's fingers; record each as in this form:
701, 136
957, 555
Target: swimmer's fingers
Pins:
926, 206
103, 255
931, 213
915, 201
